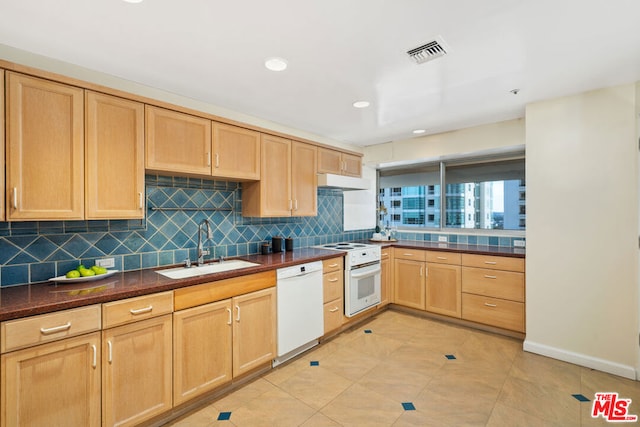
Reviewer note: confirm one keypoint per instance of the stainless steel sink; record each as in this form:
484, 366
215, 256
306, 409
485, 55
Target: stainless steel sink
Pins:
184, 272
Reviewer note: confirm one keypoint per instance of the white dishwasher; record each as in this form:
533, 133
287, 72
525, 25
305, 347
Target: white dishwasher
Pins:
300, 309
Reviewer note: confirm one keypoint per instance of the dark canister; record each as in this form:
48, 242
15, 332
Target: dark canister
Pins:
288, 244
277, 244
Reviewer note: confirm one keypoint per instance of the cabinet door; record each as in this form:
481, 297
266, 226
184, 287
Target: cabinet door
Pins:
444, 289
304, 179
329, 161
45, 150
201, 349
409, 289
177, 142
2, 146
254, 330
55, 384
114, 157
385, 277
271, 196
351, 165
236, 152
136, 371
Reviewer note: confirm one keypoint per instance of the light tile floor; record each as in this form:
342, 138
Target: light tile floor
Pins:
363, 379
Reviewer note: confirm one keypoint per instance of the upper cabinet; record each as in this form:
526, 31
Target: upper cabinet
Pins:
236, 152
304, 179
114, 157
177, 142
288, 180
337, 162
45, 149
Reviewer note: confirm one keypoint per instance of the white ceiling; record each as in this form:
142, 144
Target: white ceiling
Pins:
341, 51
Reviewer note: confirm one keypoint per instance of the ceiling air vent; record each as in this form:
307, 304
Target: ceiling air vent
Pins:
427, 52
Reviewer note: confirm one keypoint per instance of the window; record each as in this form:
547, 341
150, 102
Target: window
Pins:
483, 193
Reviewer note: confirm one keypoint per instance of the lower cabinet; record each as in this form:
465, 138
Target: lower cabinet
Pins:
409, 283
333, 293
215, 342
201, 349
54, 384
136, 371
443, 283
254, 330
386, 277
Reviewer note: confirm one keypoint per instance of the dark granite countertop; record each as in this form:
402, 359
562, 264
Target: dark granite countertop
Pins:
452, 247
39, 298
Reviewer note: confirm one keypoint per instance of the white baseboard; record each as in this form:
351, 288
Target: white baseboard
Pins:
581, 359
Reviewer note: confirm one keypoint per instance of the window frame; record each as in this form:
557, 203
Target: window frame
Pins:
489, 156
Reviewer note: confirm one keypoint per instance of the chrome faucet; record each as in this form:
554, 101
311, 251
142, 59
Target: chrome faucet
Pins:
200, 260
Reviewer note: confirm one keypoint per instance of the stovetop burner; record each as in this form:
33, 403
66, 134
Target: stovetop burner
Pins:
345, 246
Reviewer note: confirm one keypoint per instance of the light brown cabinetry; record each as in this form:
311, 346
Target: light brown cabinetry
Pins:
493, 291
202, 349
443, 294
337, 162
409, 278
137, 359
236, 152
51, 369
333, 293
222, 330
45, 149
283, 162
386, 276
254, 330
114, 157
177, 142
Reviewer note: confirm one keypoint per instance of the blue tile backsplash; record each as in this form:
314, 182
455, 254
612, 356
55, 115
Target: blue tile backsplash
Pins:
36, 251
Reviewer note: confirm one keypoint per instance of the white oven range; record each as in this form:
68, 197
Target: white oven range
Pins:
361, 275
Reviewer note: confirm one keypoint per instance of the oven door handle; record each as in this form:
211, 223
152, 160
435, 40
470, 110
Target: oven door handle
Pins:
365, 274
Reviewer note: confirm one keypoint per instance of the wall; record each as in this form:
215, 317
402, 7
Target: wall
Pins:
495, 136
38, 251
582, 229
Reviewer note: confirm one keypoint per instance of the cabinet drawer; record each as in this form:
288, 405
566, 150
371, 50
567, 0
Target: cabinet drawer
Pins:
493, 262
493, 283
134, 309
49, 327
333, 264
385, 253
493, 311
333, 315
332, 286
443, 257
413, 254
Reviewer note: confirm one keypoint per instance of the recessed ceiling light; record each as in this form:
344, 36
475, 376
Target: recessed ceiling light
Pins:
514, 91
132, 1
275, 64
419, 131
361, 104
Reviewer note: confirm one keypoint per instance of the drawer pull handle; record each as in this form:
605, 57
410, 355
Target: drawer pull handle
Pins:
408, 254
15, 197
238, 316
333, 310
110, 348
333, 265
94, 363
140, 201
230, 318
490, 277
217, 160
441, 257
490, 262
47, 331
141, 310
490, 305
333, 280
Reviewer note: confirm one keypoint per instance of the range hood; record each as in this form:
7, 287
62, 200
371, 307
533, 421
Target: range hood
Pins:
347, 183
